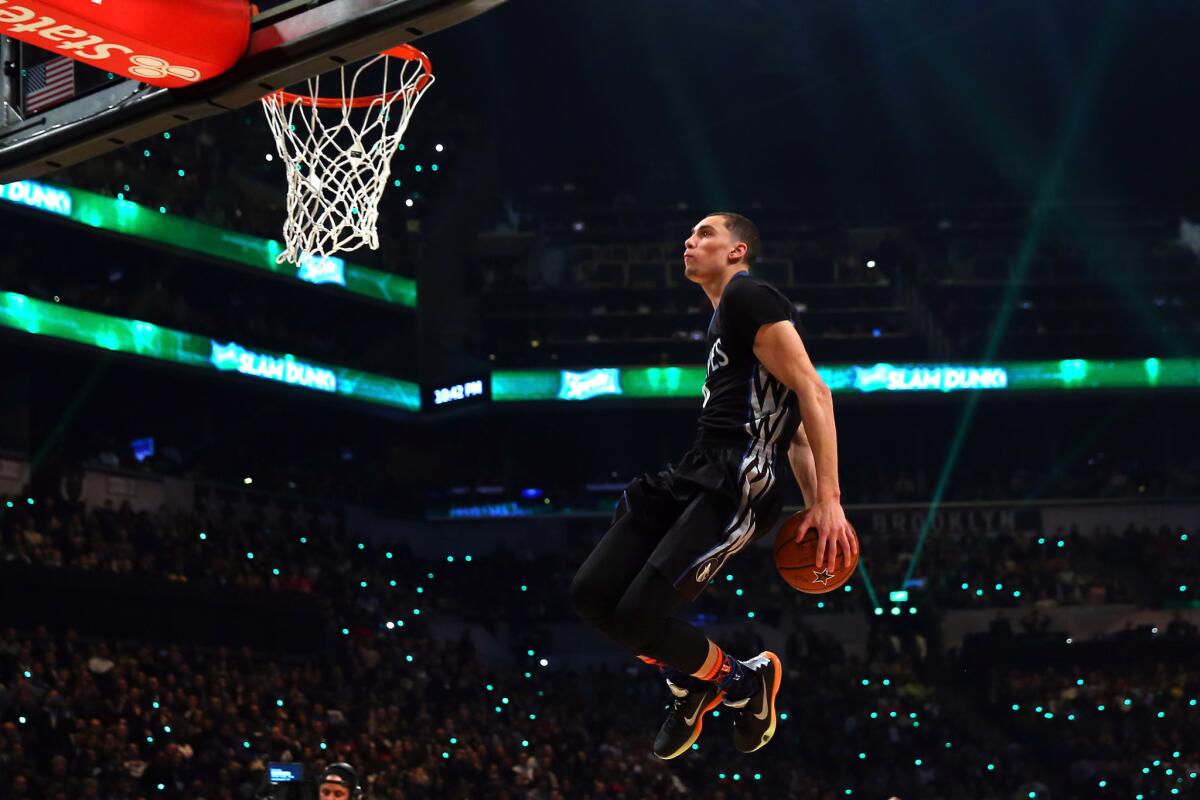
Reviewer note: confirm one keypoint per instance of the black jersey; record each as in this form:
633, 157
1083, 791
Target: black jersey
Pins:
744, 405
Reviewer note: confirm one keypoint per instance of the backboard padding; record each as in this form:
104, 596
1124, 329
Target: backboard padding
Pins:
289, 43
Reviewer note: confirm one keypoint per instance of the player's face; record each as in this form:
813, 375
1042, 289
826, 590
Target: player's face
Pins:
331, 791
707, 251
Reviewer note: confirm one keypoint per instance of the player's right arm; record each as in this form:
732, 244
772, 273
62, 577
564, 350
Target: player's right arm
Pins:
778, 347
804, 465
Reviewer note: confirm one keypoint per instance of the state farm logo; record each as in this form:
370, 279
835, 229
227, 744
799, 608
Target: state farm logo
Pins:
21, 21
154, 67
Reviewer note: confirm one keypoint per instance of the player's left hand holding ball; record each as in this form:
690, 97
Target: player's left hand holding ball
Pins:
834, 532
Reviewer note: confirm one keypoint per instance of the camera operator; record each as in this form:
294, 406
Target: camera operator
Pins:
339, 782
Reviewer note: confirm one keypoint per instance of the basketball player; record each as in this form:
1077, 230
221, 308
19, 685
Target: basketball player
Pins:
674, 531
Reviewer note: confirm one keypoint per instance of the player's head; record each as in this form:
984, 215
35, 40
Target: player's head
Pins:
718, 242
338, 782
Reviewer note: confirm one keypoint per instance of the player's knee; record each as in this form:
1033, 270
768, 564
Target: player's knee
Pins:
636, 626
587, 597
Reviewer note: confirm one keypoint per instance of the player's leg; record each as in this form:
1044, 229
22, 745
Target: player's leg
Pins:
644, 623
620, 592
605, 575
693, 551
700, 674
622, 589
633, 604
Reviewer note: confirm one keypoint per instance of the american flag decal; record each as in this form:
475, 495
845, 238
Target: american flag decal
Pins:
49, 82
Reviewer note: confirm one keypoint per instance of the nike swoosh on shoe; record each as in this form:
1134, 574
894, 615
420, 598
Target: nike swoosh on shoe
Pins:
763, 713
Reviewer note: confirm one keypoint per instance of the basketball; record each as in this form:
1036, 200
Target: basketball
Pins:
797, 563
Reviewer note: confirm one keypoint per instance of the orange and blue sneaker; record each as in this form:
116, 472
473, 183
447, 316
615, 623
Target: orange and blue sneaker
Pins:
686, 717
755, 716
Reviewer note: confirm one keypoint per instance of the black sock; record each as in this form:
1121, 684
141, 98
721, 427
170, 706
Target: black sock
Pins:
735, 679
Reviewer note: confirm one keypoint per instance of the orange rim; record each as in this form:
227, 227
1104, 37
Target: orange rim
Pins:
405, 51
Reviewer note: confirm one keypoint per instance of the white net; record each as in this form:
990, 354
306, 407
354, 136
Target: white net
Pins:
338, 153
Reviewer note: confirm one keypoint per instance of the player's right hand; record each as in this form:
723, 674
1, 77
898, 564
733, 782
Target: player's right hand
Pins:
833, 531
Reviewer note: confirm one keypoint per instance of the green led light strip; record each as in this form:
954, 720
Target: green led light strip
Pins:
135, 337
139, 222
668, 382
164, 344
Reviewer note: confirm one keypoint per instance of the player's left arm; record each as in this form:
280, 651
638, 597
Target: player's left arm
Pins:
778, 347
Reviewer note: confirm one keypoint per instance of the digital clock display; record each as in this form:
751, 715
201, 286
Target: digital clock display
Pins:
459, 391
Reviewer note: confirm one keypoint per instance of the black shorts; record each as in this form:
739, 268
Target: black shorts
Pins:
712, 504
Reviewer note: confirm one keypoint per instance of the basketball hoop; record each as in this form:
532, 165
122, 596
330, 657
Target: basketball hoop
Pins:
338, 162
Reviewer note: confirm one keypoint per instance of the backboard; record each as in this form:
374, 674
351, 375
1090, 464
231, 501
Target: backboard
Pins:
289, 42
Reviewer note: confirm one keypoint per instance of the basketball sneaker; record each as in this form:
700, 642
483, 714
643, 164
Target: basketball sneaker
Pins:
754, 718
686, 718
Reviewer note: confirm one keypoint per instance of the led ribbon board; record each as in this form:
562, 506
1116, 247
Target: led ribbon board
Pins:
687, 382
140, 222
164, 344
